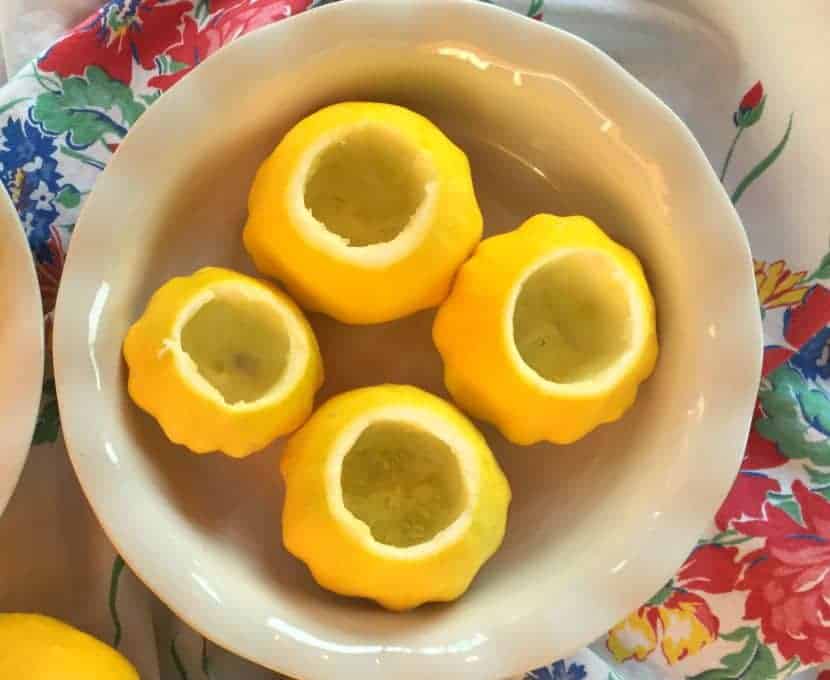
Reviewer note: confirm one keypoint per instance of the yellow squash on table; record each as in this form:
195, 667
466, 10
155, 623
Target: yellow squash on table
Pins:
35, 647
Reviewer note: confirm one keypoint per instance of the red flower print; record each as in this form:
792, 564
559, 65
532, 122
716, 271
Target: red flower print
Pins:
824, 675
682, 625
233, 19
120, 33
753, 97
710, 569
749, 492
747, 497
680, 621
788, 579
761, 453
774, 356
750, 107
804, 320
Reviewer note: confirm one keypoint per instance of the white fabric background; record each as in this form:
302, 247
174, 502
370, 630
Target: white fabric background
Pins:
71, 576
28, 26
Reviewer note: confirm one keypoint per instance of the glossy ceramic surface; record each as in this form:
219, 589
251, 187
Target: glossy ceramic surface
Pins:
21, 339
550, 124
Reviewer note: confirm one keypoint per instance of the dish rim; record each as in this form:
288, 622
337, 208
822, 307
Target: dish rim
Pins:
497, 655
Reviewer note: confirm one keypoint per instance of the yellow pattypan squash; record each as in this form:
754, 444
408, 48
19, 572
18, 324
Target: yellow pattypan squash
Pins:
392, 494
548, 331
223, 361
364, 211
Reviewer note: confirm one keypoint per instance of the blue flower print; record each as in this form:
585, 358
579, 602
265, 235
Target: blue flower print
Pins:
559, 671
29, 171
813, 359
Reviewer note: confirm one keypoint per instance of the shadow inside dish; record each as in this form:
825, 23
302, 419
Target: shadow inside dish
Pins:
520, 168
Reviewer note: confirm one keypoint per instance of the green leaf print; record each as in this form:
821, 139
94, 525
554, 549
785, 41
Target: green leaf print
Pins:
787, 503
536, 6
202, 10
166, 64
817, 477
725, 538
762, 166
177, 660
87, 108
48, 420
797, 416
752, 115
115, 578
790, 667
662, 595
754, 660
69, 197
206, 667
150, 98
762, 666
822, 271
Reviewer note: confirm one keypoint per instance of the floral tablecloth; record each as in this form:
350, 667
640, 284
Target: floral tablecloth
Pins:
751, 601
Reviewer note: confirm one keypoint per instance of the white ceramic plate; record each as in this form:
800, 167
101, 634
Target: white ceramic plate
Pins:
21, 349
550, 124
